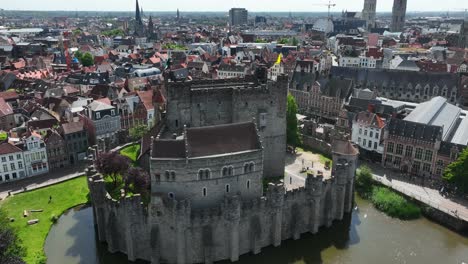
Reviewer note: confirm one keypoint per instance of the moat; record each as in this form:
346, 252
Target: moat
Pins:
366, 236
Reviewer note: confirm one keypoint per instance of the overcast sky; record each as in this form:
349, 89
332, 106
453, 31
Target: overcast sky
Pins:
224, 5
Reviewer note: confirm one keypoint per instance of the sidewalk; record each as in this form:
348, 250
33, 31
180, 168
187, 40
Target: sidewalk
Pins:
40, 181
429, 196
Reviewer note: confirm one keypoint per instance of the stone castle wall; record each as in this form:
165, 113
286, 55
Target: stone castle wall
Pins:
171, 231
217, 102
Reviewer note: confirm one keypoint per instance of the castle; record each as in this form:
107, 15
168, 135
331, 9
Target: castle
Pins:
169, 230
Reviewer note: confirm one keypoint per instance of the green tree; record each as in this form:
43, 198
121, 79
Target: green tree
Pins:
283, 41
292, 129
295, 42
457, 172
138, 132
364, 181
87, 59
11, 250
79, 55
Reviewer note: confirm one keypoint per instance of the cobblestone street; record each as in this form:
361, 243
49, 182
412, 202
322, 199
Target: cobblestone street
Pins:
293, 178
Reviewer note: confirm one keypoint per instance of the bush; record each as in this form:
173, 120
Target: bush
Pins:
364, 181
394, 204
53, 218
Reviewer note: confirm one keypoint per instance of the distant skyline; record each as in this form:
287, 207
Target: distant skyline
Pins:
216, 5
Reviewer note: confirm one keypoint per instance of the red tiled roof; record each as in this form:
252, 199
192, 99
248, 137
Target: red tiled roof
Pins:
146, 98
9, 95
7, 148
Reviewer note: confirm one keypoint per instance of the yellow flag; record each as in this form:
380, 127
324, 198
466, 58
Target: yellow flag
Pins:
278, 61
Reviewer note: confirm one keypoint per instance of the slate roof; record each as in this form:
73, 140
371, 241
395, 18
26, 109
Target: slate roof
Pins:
344, 147
99, 106
209, 141
385, 78
336, 87
5, 108
404, 128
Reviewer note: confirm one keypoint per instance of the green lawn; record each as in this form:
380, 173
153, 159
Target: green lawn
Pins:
131, 152
64, 196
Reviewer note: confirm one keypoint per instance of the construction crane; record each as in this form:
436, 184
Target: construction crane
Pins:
64, 43
329, 5
462, 9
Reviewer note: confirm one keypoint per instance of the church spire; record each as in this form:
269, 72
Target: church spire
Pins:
137, 14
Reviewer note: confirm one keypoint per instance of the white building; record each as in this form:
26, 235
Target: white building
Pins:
367, 132
358, 62
227, 71
275, 70
35, 154
12, 163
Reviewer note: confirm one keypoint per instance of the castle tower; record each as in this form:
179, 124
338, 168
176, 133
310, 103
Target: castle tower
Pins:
398, 15
139, 27
368, 13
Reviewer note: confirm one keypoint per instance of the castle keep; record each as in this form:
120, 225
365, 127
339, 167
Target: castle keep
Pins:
172, 229
217, 102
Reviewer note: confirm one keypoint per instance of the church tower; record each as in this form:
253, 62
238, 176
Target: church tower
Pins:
150, 28
368, 13
139, 26
398, 15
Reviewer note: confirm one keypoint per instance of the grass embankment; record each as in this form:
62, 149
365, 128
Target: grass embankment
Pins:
131, 152
384, 199
65, 195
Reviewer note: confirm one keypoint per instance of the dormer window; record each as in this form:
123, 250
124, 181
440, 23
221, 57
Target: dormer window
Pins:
98, 115
112, 112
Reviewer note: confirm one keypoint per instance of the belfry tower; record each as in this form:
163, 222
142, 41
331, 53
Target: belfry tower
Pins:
398, 15
368, 13
139, 26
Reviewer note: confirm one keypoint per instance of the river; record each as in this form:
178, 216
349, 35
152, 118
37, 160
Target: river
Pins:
365, 236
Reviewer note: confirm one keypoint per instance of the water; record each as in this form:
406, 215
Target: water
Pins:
366, 236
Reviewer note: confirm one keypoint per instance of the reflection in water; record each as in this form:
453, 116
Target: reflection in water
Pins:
365, 236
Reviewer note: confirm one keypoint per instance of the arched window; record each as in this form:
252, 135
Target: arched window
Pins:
200, 174
251, 166
167, 174
246, 168
231, 170
207, 173
248, 184
225, 171
173, 175
227, 188
204, 192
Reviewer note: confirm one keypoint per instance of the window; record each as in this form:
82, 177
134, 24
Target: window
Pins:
365, 132
3, 159
399, 149
20, 165
389, 158
246, 168
428, 155
263, 120
112, 112
371, 134
390, 147
98, 115
5, 168
225, 171
204, 192
227, 188
427, 167
397, 161
416, 166
171, 195
364, 141
231, 171
409, 151
14, 175
248, 184
360, 131
43, 155
12, 166
251, 166
168, 176
18, 156
173, 175
375, 145
370, 144
10, 158
359, 140
418, 153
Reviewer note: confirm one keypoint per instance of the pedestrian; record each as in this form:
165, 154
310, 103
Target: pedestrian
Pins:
50, 198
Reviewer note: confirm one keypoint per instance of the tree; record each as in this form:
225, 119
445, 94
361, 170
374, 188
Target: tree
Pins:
292, 130
79, 55
364, 181
87, 59
112, 165
295, 42
138, 132
457, 172
11, 251
137, 180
